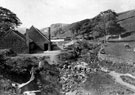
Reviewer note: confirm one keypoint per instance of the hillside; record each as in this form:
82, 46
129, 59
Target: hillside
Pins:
57, 28
126, 20
65, 30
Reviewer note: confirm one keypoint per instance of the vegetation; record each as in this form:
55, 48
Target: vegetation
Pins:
17, 70
105, 23
77, 67
8, 20
67, 55
96, 79
75, 70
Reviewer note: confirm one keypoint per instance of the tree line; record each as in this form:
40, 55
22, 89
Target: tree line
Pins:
105, 23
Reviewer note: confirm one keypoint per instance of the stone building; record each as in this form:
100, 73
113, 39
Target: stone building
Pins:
37, 41
14, 40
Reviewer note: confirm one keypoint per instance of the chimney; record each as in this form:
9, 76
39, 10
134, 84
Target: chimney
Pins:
49, 37
49, 33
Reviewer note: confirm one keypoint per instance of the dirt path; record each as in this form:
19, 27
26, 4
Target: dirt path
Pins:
117, 78
116, 75
51, 54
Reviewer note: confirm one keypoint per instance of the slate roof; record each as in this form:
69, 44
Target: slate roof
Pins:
36, 35
21, 35
16, 32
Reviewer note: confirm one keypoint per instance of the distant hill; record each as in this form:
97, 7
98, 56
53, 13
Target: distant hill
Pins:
64, 30
21, 29
45, 31
56, 29
126, 20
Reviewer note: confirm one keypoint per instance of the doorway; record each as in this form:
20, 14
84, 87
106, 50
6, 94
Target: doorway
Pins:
45, 47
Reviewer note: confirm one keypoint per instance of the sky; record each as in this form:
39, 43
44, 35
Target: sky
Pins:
43, 13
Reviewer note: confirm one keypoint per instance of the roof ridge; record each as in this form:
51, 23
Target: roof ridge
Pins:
5, 34
15, 31
20, 34
41, 33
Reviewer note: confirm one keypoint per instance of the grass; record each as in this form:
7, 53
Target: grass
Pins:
126, 14
126, 20
128, 24
101, 83
119, 50
17, 69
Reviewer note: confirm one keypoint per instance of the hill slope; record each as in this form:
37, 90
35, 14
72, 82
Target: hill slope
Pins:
126, 20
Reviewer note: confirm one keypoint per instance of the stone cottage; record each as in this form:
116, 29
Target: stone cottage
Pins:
37, 41
14, 40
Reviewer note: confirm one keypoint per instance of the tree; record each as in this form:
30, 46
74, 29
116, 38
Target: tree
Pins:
106, 23
8, 20
99, 28
114, 28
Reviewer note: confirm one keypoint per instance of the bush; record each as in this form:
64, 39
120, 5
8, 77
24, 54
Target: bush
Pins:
69, 55
18, 69
7, 52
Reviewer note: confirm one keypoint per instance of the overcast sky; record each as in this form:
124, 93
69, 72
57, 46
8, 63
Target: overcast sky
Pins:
42, 13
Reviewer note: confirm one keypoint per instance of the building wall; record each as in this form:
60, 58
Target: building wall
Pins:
38, 38
33, 48
14, 42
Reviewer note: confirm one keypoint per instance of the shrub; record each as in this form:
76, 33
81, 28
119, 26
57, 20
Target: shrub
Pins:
7, 52
69, 55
